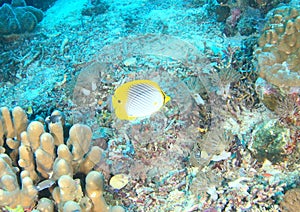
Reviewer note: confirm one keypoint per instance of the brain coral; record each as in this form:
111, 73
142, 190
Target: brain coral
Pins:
18, 18
278, 53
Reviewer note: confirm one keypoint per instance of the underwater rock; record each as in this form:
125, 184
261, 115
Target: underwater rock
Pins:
269, 141
247, 27
266, 5
94, 7
18, 18
248, 23
222, 12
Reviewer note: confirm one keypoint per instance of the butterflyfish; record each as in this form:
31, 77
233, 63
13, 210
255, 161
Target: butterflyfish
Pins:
137, 99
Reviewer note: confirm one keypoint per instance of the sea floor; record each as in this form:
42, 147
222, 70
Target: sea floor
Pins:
193, 155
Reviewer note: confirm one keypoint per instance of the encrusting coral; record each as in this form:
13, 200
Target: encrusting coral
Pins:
291, 200
278, 52
44, 158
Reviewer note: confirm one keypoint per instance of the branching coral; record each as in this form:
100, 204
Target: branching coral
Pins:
10, 192
44, 157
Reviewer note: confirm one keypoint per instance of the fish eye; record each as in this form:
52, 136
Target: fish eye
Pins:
119, 101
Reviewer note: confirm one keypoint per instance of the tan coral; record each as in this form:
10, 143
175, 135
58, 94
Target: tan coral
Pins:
20, 121
92, 158
2, 133
11, 125
56, 123
45, 205
71, 206
35, 129
80, 139
26, 159
8, 126
45, 155
13, 145
280, 40
94, 189
69, 189
291, 200
63, 162
9, 190
7, 130
57, 132
297, 23
35, 154
28, 193
10, 193
6, 166
8, 162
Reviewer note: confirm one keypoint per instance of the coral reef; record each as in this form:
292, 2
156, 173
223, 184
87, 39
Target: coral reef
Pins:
278, 57
237, 17
278, 52
17, 18
232, 76
270, 140
44, 158
243, 17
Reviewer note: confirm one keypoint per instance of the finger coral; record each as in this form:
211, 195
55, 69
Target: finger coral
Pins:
42, 161
10, 192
